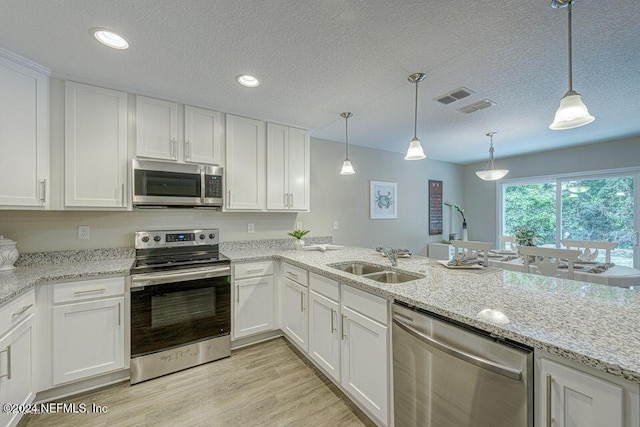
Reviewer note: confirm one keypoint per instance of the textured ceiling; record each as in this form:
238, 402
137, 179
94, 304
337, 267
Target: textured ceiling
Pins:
317, 58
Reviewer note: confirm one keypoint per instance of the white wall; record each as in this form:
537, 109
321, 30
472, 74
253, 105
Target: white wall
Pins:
333, 197
480, 196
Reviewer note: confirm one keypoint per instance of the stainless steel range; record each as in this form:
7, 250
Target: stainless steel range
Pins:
180, 302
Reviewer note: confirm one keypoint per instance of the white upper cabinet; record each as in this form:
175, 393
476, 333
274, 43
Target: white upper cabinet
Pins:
156, 128
202, 136
24, 133
95, 147
288, 168
245, 164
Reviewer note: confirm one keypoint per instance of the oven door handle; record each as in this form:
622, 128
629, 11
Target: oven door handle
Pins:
142, 280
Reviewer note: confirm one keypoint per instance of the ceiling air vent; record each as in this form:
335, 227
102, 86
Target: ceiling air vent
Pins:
476, 106
454, 96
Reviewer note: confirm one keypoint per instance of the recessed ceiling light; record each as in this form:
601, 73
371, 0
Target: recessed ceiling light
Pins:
248, 80
111, 39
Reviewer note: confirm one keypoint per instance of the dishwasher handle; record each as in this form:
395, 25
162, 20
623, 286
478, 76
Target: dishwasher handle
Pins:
515, 374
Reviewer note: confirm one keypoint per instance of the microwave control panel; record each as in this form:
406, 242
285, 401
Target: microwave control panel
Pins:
213, 186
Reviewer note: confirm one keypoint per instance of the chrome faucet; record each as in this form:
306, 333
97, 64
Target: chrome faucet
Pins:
392, 254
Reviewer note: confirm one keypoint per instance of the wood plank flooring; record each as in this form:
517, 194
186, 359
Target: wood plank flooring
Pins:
268, 384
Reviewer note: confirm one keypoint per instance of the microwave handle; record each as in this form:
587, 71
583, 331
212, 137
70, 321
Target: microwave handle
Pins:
203, 185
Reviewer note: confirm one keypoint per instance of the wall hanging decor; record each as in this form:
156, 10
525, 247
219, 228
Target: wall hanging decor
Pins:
435, 207
383, 200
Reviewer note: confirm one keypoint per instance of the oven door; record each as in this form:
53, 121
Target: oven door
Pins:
166, 184
178, 308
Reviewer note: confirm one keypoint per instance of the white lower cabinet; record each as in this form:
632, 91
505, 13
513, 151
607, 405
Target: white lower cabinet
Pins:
88, 339
295, 319
254, 306
324, 333
17, 352
569, 396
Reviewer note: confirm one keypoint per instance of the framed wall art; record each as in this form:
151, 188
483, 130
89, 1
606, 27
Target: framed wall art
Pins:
435, 207
384, 200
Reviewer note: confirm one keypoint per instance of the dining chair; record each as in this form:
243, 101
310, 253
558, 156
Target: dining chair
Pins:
511, 240
548, 260
589, 248
471, 249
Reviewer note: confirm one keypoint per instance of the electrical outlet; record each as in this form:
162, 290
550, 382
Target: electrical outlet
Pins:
298, 225
83, 232
335, 224
250, 227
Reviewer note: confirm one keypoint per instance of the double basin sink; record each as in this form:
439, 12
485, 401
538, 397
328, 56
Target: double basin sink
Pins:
375, 272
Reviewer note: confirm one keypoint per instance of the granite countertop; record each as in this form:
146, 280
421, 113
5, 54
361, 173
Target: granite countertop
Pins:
43, 267
592, 324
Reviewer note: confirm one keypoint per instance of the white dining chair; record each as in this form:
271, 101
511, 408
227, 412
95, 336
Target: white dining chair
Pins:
511, 240
589, 248
470, 249
548, 260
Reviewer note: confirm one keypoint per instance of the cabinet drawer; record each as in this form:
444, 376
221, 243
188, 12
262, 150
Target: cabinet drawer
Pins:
254, 269
88, 289
294, 273
16, 311
365, 303
324, 286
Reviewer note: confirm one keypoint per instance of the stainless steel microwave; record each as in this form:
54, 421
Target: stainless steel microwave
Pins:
164, 184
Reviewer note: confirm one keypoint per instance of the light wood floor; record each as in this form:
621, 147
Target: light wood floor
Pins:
268, 384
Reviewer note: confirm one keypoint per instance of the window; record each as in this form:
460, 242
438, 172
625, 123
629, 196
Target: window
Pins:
600, 208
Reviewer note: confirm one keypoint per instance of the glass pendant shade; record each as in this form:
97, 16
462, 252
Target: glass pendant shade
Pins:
572, 113
347, 168
491, 172
415, 151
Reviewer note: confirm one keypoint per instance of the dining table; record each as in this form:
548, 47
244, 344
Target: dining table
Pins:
618, 275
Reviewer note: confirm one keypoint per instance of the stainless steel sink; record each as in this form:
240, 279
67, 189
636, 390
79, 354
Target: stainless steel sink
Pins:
358, 268
375, 272
392, 277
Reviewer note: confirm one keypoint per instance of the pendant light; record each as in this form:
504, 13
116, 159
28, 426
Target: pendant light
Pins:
415, 151
490, 172
347, 167
572, 112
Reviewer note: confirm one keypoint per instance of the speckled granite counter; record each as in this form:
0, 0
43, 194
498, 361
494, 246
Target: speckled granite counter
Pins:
592, 324
42, 267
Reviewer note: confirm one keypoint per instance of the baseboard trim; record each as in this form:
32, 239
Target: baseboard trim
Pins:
255, 339
82, 386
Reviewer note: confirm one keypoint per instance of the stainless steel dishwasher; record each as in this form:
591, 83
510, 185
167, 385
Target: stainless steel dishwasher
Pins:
447, 375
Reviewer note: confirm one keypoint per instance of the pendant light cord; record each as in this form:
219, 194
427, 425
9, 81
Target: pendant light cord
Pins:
346, 134
415, 116
570, 50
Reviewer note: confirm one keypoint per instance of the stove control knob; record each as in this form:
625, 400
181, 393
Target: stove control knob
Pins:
157, 238
202, 237
212, 236
145, 239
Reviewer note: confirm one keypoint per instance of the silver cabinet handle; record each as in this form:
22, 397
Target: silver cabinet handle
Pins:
342, 327
291, 201
229, 201
122, 195
174, 147
8, 374
478, 361
550, 419
256, 270
301, 301
119, 314
333, 329
294, 275
43, 191
187, 151
285, 198
89, 291
21, 312
237, 294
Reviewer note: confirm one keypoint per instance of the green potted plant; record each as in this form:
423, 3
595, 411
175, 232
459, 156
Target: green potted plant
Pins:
464, 220
298, 234
525, 235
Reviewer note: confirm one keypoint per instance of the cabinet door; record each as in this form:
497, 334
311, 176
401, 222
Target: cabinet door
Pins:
156, 128
324, 335
202, 136
578, 399
254, 306
295, 319
88, 339
95, 146
277, 167
364, 361
24, 136
245, 165
299, 169
17, 353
